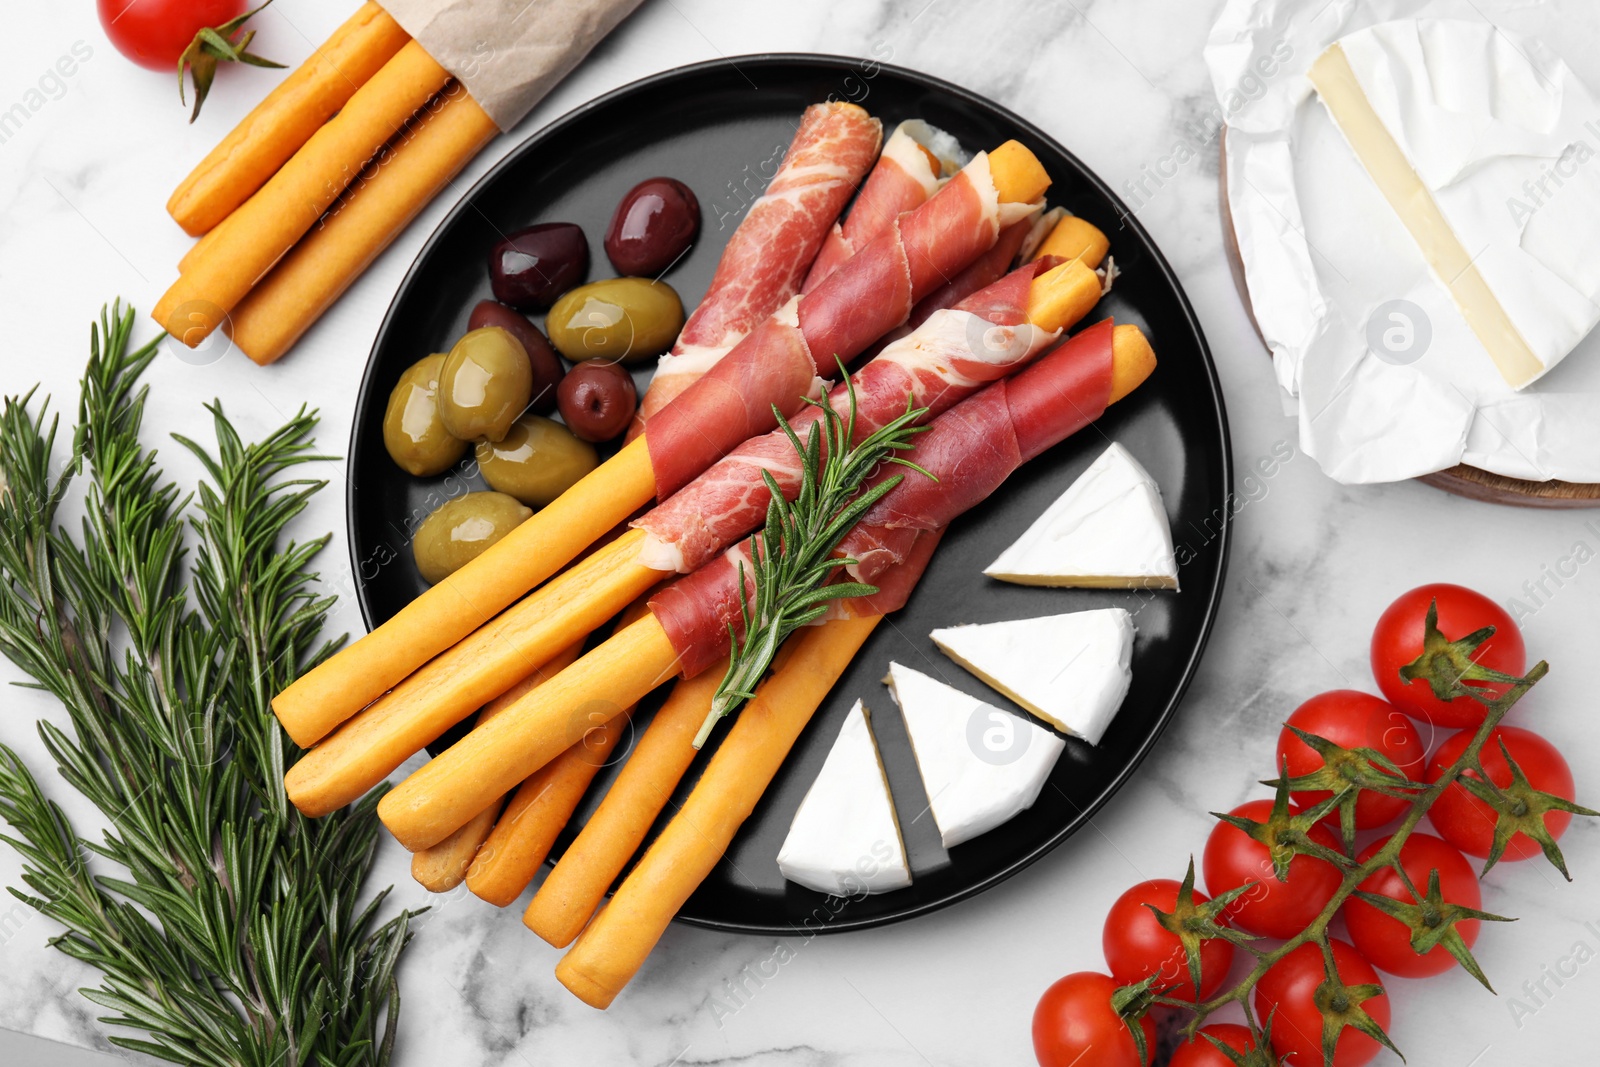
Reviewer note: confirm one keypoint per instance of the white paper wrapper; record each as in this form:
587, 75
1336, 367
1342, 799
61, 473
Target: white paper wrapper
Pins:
1324, 253
508, 53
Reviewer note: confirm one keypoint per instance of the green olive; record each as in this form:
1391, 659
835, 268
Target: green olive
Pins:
486, 382
627, 319
536, 461
412, 430
454, 535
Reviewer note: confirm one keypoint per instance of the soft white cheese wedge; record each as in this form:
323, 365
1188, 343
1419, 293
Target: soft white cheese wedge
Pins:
1483, 156
845, 839
980, 765
1107, 531
1070, 670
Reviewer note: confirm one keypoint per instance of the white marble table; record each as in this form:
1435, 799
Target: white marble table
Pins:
82, 182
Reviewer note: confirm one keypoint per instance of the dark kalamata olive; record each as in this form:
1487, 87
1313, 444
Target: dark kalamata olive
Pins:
597, 400
533, 267
652, 226
542, 358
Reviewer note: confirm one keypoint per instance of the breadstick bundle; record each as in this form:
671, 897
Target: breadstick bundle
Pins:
294, 204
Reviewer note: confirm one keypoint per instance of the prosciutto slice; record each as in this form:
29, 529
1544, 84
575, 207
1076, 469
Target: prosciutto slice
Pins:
904, 177
768, 255
972, 448
870, 294
953, 354
696, 612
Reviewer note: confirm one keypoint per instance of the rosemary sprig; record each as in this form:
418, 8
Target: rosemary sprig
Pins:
228, 929
791, 558
1519, 807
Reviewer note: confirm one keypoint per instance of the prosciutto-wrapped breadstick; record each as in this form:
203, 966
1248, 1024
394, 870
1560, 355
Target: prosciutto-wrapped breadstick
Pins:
611, 950
992, 333
915, 159
768, 255
1041, 406
776, 365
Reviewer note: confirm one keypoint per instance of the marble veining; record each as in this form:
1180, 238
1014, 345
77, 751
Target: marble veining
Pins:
81, 189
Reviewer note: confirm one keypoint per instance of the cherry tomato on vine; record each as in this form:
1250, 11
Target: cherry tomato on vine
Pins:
1467, 822
1136, 946
1386, 941
1352, 719
154, 33
1075, 1024
1397, 641
1288, 994
1202, 1053
1270, 907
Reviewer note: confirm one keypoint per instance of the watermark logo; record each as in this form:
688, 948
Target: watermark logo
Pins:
195, 333
49, 86
1399, 332
996, 737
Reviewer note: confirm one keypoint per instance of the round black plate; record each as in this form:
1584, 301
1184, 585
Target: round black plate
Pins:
719, 127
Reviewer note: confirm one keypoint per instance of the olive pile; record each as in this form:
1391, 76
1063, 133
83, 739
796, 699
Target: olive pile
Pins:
496, 386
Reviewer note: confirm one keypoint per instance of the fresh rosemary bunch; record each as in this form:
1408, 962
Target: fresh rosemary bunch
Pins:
228, 929
791, 558
1447, 665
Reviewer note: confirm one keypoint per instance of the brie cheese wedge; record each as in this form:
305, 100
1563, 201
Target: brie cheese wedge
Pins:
1070, 670
845, 839
1107, 531
1483, 155
980, 765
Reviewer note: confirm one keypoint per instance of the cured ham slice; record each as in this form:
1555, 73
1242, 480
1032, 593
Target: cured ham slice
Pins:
873, 292
953, 354
768, 255
700, 613
915, 159
972, 448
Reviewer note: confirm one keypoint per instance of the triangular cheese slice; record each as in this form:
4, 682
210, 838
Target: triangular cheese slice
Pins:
980, 765
1070, 670
1107, 531
845, 839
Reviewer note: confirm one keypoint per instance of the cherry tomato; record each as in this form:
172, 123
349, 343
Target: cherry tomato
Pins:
1386, 941
1353, 719
1074, 1024
1467, 822
1202, 1053
1287, 993
1270, 907
1136, 946
1397, 641
154, 33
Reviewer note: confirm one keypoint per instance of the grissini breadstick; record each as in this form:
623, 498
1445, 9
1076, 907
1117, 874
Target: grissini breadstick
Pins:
451, 610
609, 953
403, 179
364, 750
441, 868
277, 127
938, 365
267, 225
348, 681
578, 883
536, 813
688, 625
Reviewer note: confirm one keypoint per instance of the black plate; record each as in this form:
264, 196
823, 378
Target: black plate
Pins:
717, 126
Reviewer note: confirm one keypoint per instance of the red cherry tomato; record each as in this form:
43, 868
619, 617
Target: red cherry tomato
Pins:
154, 33
1467, 822
1202, 1053
1385, 940
1074, 1025
1397, 641
1353, 719
1287, 993
1136, 946
1270, 907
